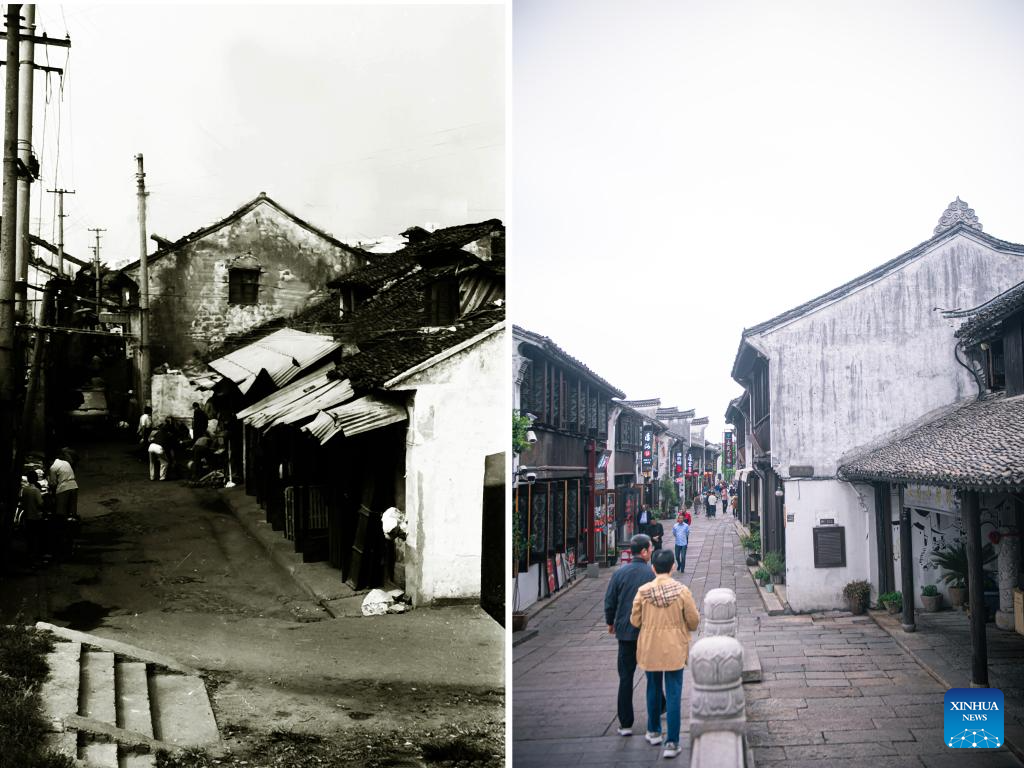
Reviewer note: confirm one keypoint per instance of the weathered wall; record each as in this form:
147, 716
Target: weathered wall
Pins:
173, 395
458, 417
880, 358
189, 286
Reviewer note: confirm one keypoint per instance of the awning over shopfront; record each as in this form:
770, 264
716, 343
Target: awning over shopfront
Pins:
976, 445
283, 354
362, 415
299, 400
742, 475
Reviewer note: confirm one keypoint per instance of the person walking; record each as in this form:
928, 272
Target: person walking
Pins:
31, 502
618, 603
681, 532
65, 488
158, 458
665, 613
712, 504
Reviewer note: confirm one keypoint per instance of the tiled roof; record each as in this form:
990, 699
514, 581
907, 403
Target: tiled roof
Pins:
319, 318
973, 445
546, 344
674, 413
373, 276
235, 216
703, 420
980, 319
453, 238
390, 354
650, 403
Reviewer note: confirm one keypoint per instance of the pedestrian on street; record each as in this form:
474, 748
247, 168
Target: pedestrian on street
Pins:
65, 488
665, 613
158, 458
200, 421
655, 531
688, 516
712, 504
145, 425
31, 501
643, 519
681, 532
618, 602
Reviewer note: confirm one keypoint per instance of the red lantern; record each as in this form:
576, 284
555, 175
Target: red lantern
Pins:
994, 537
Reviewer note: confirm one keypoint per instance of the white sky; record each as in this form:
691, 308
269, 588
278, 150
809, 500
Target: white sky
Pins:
363, 120
683, 170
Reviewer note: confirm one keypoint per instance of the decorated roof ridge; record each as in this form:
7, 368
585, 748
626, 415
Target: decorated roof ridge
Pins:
623, 404
674, 412
980, 319
235, 215
649, 403
972, 445
702, 421
881, 271
546, 344
957, 212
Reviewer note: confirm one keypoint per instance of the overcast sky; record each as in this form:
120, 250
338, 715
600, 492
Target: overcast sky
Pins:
364, 120
683, 170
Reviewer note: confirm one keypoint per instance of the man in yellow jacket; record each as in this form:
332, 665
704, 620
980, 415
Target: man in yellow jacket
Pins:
665, 614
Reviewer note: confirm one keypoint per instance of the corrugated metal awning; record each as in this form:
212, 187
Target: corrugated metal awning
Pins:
284, 354
298, 401
362, 415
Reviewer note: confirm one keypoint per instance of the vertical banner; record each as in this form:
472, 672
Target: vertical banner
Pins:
647, 460
678, 464
729, 459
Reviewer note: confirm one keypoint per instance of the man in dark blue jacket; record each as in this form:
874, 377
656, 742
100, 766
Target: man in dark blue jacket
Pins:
618, 602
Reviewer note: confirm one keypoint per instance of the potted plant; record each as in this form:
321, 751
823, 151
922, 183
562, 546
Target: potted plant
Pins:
752, 543
762, 576
776, 566
953, 560
858, 594
893, 601
930, 598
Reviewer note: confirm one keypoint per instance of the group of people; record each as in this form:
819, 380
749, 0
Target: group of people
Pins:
42, 514
652, 615
651, 527
171, 442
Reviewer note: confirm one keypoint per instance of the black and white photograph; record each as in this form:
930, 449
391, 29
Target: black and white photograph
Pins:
254, 409
766, 301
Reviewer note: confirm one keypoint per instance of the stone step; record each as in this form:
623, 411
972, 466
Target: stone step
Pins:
63, 742
132, 683
137, 761
97, 700
60, 691
181, 710
99, 755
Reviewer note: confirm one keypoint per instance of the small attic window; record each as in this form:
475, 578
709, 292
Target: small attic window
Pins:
443, 302
243, 286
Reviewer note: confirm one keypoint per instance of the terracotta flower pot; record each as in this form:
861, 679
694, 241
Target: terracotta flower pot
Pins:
857, 605
931, 603
957, 596
519, 621
893, 607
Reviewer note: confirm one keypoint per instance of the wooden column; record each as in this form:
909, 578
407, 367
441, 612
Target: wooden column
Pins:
883, 535
975, 590
906, 566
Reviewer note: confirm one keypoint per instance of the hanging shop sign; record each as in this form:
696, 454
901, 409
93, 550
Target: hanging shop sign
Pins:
729, 457
647, 459
689, 463
679, 464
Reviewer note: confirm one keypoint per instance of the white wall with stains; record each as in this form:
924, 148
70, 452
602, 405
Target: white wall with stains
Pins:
458, 417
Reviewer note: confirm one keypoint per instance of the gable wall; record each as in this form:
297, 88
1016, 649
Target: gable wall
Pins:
189, 287
879, 358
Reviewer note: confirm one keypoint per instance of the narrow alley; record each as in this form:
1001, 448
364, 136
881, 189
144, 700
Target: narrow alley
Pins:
835, 689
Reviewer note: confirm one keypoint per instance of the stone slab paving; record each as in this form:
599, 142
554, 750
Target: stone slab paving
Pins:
836, 688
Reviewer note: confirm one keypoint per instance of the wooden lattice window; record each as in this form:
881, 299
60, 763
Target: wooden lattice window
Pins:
244, 286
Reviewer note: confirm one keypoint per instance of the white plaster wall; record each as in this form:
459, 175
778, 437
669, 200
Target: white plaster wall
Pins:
809, 588
459, 416
528, 586
854, 371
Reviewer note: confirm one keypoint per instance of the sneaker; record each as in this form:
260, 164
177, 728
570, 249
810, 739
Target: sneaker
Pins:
671, 749
653, 738
625, 731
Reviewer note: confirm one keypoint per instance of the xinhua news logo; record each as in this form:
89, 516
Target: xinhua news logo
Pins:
973, 718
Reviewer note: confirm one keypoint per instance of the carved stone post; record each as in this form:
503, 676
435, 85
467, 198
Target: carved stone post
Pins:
720, 613
717, 702
1008, 562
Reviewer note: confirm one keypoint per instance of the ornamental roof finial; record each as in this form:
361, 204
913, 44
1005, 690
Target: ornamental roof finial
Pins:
958, 211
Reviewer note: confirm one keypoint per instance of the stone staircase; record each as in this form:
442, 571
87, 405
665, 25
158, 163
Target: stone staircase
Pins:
111, 705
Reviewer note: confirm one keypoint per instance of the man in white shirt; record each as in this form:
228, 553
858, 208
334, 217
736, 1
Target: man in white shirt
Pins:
62, 481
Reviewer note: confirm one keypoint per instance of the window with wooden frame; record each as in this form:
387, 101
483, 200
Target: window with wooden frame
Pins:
830, 546
243, 286
443, 302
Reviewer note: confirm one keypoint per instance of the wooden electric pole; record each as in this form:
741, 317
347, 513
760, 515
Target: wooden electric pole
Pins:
140, 178
96, 262
60, 226
23, 247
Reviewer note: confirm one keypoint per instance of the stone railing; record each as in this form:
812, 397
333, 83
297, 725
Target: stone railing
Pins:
718, 718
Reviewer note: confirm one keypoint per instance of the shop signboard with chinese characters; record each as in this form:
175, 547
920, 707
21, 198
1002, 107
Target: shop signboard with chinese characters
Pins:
689, 463
728, 457
647, 457
679, 464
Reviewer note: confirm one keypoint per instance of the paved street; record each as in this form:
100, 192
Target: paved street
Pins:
835, 689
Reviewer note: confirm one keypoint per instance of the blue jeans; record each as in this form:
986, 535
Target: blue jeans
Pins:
681, 558
673, 682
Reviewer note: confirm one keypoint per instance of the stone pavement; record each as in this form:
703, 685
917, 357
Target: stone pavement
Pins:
836, 688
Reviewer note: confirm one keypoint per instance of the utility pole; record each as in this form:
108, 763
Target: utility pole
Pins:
140, 178
23, 247
60, 230
96, 253
7, 277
